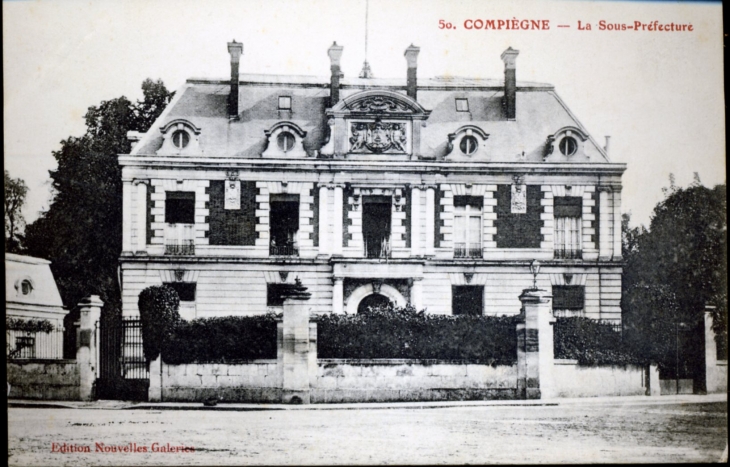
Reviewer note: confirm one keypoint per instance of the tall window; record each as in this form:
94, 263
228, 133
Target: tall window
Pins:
467, 227
180, 220
567, 210
467, 300
284, 225
568, 300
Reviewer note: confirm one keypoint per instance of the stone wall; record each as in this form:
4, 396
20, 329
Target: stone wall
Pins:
44, 379
572, 380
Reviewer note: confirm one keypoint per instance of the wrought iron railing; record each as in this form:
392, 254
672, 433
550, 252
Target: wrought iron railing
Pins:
180, 247
464, 250
287, 249
568, 253
377, 247
27, 345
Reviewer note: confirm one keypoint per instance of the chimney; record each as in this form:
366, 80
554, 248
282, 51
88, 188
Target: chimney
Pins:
335, 53
510, 82
608, 141
411, 55
236, 50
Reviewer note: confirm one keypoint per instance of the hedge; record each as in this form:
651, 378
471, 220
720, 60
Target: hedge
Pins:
392, 332
158, 311
28, 325
591, 342
220, 340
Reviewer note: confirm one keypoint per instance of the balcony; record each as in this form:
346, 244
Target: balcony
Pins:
180, 247
180, 239
285, 249
467, 250
568, 253
377, 247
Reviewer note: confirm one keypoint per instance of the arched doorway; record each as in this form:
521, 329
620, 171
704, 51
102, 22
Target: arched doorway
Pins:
352, 303
372, 301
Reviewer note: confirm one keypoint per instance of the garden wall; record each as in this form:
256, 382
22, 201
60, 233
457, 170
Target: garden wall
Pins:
44, 379
572, 380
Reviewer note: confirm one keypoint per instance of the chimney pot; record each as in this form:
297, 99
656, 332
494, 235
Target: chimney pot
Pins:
509, 57
236, 50
608, 141
411, 55
335, 54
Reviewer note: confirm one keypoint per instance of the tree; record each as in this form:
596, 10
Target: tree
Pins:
81, 233
674, 269
15, 192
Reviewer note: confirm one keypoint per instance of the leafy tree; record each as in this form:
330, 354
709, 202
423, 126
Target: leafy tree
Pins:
674, 269
81, 233
15, 192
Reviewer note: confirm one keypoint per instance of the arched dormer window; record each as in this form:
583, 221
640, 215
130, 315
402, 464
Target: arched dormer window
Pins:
285, 139
466, 144
179, 137
566, 144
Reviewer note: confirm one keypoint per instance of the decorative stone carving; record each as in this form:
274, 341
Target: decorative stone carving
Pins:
378, 137
379, 104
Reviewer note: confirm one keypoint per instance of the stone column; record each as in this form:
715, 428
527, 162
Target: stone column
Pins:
324, 240
127, 215
337, 222
535, 346
604, 242
296, 345
417, 293
154, 393
141, 215
616, 222
654, 388
86, 352
430, 212
415, 221
338, 295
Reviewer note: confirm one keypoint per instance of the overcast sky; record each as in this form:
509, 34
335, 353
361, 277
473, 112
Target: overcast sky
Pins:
658, 94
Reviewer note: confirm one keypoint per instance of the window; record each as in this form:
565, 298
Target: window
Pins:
26, 287
468, 145
568, 300
284, 225
180, 207
568, 146
273, 294
284, 102
462, 105
567, 211
185, 290
180, 139
467, 227
467, 300
285, 141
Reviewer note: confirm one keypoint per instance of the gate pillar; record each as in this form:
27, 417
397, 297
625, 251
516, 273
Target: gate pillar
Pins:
297, 345
535, 355
86, 350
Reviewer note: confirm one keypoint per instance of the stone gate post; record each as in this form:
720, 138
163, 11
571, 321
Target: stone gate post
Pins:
86, 349
535, 346
297, 350
715, 370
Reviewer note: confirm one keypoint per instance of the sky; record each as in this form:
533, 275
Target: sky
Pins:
659, 95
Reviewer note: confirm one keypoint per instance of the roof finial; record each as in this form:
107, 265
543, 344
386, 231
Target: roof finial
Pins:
366, 72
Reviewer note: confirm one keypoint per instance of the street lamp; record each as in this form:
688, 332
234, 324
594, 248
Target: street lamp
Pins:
534, 269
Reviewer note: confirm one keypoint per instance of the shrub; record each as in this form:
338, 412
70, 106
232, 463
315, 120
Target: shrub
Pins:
158, 311
224, 339
396, 332
28, 325
591, 343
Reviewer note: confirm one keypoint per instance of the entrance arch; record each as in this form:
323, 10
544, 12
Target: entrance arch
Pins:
372, 301
388, 291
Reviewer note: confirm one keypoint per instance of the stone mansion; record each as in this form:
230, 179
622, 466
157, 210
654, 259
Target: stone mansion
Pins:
439, 192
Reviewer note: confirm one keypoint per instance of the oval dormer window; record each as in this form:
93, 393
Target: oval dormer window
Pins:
26, 287
468, 145
180, 139
568, 146
285, 141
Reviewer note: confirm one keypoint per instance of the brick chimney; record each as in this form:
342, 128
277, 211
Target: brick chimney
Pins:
335, 53
509, 57
236, 50
411, 55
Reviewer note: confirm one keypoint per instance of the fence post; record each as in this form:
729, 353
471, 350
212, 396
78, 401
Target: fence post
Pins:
86, 352
654, 384
716, 380
295, 349
154, 393
535, 356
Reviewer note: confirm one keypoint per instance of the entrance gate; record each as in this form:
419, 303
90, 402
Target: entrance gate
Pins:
122, 371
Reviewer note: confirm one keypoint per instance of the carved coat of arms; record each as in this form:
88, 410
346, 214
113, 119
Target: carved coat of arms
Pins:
378, 137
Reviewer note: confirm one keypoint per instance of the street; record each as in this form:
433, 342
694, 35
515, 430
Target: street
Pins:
565, 433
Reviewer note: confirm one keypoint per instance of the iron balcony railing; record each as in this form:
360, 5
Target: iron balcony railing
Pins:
464, 250
287, 249
180, 247
377, 247
568, 253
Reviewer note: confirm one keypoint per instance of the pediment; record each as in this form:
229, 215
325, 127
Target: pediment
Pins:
379, 103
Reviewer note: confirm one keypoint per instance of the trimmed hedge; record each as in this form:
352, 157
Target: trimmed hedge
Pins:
220, 340
393, 332
591, 343
158, 311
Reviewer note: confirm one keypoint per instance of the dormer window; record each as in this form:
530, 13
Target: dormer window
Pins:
26, 287
462, 105
285, 141
180, 139
470, 140
568, 146
284, 102
469, 145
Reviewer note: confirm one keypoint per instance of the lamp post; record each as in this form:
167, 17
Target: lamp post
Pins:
534, 269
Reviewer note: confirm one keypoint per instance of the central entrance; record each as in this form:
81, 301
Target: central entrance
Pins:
372, 301
376, 220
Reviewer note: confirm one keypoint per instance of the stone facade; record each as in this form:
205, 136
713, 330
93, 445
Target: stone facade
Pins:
436, 192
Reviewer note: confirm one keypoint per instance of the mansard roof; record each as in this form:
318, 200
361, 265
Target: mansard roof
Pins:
540, 115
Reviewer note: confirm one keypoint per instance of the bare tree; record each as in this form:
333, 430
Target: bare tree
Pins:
15, 191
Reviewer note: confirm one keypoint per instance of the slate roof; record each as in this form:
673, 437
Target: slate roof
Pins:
203, 102
38, 271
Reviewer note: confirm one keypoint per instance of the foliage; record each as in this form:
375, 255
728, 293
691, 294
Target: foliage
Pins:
396, 332
81, 233
158, 311
673, 270
224, 339
591, 342
15, 192
28, 325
